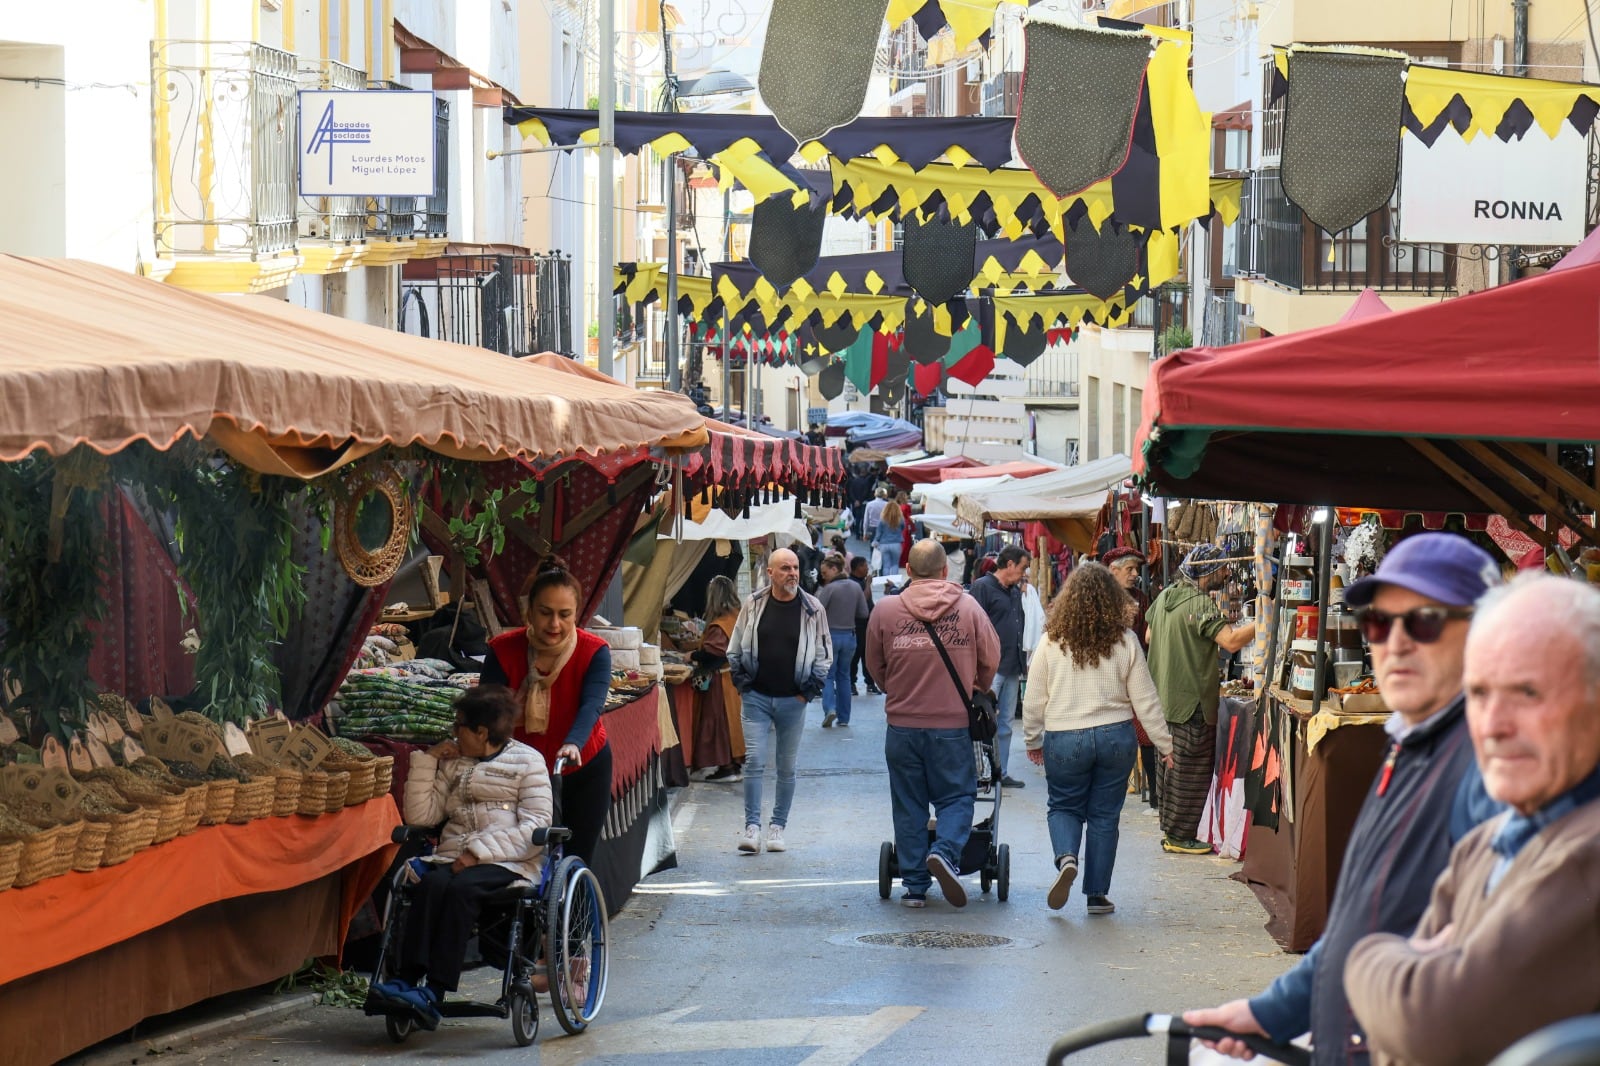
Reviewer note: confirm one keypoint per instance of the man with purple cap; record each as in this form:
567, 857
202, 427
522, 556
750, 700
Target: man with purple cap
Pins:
1428, 794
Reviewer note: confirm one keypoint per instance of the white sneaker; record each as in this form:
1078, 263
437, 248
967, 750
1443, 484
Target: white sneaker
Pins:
775, 838
1066, 873
949, 879
750, 840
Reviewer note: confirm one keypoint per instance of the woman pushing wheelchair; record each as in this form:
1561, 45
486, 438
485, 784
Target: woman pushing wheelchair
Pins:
492, 793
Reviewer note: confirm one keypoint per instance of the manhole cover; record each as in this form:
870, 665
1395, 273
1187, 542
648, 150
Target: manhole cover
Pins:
928, 938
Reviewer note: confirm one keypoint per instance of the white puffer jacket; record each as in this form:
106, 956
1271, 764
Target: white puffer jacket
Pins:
490, 807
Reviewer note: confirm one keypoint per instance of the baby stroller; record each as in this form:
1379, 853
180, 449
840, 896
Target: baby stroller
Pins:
557, 924
983, 855
1178, 1033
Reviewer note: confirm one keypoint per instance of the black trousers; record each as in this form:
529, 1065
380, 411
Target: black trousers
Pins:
859, 663
582, 803
444, 909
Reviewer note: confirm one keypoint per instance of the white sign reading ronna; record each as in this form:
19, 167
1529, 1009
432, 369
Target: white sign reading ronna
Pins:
366, 143
1530, 191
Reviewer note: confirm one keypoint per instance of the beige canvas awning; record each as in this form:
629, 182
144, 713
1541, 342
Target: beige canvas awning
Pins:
90, 355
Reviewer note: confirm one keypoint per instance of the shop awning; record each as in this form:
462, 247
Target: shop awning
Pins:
93, 356
1044, 496
1020, 468
925, 471
1391, 411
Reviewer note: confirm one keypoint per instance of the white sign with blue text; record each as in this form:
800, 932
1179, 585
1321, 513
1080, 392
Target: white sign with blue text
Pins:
366, 143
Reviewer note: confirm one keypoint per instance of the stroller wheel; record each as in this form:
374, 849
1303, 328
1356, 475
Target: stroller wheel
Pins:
885, 870
1003, 875
399, 1025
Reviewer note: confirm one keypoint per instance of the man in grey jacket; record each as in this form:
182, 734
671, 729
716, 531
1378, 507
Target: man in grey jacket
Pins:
778, 657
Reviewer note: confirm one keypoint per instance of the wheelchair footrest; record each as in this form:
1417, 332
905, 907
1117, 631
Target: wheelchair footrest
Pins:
470, 1008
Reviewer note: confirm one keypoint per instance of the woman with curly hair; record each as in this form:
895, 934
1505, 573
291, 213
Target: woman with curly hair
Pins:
1087, 681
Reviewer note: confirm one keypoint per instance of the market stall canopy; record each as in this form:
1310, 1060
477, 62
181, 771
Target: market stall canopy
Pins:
924, 471
93, 356
978, 504
1070, 519
1367, 305
1020, 468
764, 519
733, 457
1391, 411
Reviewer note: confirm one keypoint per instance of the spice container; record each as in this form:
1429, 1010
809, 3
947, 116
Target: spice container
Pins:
1303, 669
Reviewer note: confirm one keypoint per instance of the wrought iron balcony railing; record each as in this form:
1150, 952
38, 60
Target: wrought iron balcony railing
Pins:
391, 217
515, 304
342, 219
223, 117
436, 211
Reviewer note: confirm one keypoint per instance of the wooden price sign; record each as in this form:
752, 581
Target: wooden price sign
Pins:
169, 738
52, 788
267, 736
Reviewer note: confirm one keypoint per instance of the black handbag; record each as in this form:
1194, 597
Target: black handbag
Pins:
983, 710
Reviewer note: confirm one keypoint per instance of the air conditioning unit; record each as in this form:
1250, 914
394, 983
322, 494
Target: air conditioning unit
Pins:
974, 70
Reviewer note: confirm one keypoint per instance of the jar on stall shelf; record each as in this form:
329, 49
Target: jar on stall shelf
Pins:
1303, 669
1305, 622
1299, 580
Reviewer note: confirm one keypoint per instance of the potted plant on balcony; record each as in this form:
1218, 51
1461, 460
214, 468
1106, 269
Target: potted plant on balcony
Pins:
593, 333
1175, 338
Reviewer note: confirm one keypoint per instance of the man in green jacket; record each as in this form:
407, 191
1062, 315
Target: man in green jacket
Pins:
1186, 629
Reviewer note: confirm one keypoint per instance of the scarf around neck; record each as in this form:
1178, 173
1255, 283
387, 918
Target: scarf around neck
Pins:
536, 686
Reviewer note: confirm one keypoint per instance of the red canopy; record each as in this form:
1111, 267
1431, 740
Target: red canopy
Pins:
1016, 468
1327, 415
1367, 305
924, 471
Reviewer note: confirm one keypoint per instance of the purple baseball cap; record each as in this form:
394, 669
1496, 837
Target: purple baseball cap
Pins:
1440, 566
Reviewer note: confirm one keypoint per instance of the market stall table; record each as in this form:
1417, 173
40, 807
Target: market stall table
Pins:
225, 908
1327, 772
637, 839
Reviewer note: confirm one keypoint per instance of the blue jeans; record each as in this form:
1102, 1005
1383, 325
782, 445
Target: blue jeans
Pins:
1007, 690
762, 716
836, 686
1086, 771
929, 767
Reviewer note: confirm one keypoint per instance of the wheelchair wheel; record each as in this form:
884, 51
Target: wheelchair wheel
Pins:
1003, 875
400, 1026
576, 959
524, 1015
885, 870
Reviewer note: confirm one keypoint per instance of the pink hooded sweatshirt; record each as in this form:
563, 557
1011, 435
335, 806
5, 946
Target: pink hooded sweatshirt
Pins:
902, 659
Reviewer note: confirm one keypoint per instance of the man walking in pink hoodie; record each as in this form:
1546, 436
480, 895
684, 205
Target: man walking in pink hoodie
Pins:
927, 745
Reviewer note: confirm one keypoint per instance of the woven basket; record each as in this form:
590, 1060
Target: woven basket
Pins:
10, 862
170, 815
338, 789
128, 834
362, 775
286, 791
219, 801
67, 847
38, 857
382, 775
253, 799
314, 793
194, 807
91, 849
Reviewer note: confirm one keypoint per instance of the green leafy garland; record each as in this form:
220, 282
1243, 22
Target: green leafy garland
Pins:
235, 532
50, 594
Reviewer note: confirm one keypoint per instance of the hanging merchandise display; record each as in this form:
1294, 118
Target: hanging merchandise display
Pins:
816, 62
1341, 133
938, 257
1103, 261
1102, 72
923, 341
786, 238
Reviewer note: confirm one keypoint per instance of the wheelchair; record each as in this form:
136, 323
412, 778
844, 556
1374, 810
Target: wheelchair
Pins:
557, 924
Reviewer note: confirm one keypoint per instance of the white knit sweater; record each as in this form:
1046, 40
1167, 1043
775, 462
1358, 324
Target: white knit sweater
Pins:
1061, 696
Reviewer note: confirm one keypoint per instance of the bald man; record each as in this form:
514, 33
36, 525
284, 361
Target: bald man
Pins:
778, 657
1510, 942
927, 745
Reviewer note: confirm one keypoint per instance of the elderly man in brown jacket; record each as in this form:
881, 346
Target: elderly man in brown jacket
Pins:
1510, 942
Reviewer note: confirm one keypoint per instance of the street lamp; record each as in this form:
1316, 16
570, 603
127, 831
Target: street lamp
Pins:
712, 83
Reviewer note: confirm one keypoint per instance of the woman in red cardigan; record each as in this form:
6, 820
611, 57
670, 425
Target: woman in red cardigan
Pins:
561, 675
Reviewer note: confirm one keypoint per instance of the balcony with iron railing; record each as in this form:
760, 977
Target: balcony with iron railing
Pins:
435, 214
391, 218
515, 304
1054, 375
223, 118
1002, 94
1279, 244
339, 219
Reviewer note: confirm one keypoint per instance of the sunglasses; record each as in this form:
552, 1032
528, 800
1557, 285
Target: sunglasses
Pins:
1423, 624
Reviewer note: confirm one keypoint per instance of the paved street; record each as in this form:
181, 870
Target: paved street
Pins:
755, 959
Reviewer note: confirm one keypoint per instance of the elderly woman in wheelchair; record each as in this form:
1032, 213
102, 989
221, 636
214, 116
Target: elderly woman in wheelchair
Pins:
492, 794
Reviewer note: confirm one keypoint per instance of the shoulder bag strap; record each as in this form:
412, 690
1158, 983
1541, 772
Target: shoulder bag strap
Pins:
933, 634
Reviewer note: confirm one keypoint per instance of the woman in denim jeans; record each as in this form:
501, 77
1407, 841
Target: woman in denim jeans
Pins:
1086, 683
846, 605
